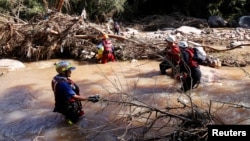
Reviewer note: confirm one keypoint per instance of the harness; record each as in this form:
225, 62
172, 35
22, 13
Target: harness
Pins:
174, 54
107, 46
71, 108
191, 61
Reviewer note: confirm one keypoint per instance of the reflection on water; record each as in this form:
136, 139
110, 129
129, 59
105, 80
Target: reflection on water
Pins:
26, 99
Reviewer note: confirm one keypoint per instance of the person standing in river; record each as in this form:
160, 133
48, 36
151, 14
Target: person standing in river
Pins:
189, 68
67, 93
172, 53
108, 52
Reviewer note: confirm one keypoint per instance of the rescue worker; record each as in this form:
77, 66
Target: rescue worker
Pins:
108, 52
189, 68
172, 55
67, 93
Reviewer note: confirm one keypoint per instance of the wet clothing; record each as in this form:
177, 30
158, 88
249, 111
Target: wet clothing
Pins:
172, 59
108, 53
64, 90
190, 67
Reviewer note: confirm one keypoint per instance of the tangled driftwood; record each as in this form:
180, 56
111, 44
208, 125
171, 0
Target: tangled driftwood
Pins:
66, 36
59, 35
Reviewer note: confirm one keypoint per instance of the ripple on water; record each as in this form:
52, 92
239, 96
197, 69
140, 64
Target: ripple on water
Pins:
25, 102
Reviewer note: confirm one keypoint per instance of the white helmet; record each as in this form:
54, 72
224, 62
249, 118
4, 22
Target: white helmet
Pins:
183, 44
170, 38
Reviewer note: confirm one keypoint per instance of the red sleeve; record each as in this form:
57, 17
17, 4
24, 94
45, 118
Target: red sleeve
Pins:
175, 50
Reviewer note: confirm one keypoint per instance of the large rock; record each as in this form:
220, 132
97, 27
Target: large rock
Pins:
188, 30
11, 64
216, 21
244, 21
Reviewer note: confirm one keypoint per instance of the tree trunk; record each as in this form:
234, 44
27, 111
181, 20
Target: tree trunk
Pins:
59, 5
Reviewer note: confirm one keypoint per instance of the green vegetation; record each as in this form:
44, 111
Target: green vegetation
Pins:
99, 10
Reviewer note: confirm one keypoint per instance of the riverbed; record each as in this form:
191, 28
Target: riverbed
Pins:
27, 101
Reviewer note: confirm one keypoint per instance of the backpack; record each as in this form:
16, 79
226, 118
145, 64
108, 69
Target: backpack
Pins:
199, 56
196, 57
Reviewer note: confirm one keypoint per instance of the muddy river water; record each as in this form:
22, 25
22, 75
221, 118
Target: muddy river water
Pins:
27, 101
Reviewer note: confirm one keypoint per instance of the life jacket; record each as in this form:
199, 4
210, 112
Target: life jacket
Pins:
63, 104
58, 79
107, 44
192, 62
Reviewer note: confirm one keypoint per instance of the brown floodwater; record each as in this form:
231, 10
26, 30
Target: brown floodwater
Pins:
27, 101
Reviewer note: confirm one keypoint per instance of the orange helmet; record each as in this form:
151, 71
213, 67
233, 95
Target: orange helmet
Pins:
105, 36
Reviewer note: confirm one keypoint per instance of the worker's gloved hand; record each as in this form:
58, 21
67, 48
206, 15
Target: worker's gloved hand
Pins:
94, 98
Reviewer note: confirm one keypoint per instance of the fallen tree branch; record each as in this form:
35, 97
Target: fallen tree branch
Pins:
13, 18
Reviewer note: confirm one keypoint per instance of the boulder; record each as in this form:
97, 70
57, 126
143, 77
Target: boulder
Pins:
244, 21
216, 21
11, 64
188, 30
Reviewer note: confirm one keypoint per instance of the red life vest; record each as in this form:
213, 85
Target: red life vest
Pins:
107, 44
191, 61
62, 103
175, 53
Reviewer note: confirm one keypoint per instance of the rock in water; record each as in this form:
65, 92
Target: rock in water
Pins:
11, 64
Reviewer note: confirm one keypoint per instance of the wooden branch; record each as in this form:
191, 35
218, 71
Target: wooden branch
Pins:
110, 35
86, 36
223, 50
96, 28
13, 18
46, 7
229, 103
59, 5
113, 36
148, 107
51, 31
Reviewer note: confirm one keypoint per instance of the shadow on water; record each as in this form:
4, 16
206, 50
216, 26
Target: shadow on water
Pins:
23, 116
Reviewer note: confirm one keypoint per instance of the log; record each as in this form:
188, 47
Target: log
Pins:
110, 36
86, 36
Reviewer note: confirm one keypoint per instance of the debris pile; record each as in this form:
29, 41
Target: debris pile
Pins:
63, 36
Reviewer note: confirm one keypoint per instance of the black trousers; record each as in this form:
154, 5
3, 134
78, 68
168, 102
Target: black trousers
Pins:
193, 78
164, 65
70, 110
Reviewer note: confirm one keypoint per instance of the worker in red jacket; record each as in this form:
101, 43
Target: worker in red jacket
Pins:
108, 52
172, 55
